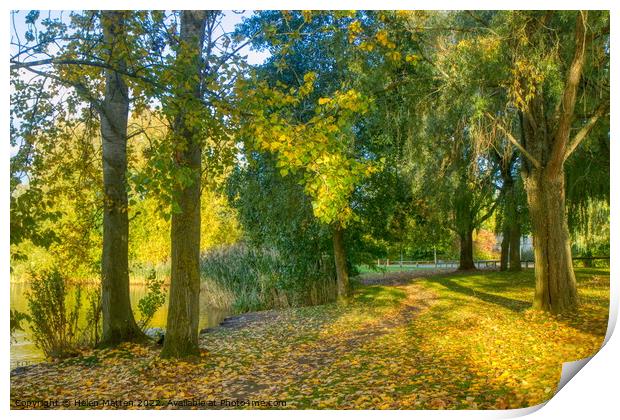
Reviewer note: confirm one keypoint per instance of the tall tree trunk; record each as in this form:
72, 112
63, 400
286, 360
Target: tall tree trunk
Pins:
556, 289
118, 321
467, 250
509, 212
515, 245
181, 338
503, 262
340, 258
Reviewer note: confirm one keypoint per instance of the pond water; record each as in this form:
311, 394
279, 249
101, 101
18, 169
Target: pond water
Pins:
24, 352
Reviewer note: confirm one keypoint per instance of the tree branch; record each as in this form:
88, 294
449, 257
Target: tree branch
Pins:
478, 222
585, 130
57, 61
569, 97
514, 141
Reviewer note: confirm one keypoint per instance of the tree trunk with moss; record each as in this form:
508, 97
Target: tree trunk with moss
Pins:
181, 338
119, 324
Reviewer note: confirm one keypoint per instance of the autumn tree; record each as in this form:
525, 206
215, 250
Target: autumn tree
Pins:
525, 72
195, 63
79, 67
460, 186
549, 76
308, 121
174, 85
438, 105
183, 310
317, 150
118, 321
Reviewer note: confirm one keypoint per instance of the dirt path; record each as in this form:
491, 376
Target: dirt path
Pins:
313, 358
259, 356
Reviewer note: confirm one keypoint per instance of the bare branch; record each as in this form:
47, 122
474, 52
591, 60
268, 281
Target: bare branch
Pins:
80, 88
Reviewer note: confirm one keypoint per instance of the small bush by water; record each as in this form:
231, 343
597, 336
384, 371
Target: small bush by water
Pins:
154, 299
55, 313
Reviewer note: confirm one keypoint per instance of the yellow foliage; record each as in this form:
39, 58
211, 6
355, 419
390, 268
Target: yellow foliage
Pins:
317, 149
382, 38
394, 56
412, 58
527, 79
355, 27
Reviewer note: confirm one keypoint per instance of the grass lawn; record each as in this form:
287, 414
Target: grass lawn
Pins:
364, 269
448, 341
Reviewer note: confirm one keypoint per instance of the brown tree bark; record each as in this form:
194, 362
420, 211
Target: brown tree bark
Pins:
181, 338
515, 245
118, 321
503, 260
466, 260
340, 258
544, 184
556, 289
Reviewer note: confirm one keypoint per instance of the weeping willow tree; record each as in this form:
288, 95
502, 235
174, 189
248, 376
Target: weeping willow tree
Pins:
588, 195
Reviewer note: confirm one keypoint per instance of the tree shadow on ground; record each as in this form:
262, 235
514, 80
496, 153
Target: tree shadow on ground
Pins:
592, 320
380, 296
515, 305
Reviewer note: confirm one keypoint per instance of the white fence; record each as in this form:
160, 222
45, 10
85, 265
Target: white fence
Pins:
454, 263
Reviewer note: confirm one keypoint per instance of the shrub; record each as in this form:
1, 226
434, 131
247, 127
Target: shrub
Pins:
53, 319
152, 301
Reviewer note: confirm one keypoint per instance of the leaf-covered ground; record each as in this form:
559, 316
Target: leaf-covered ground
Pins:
448, 341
